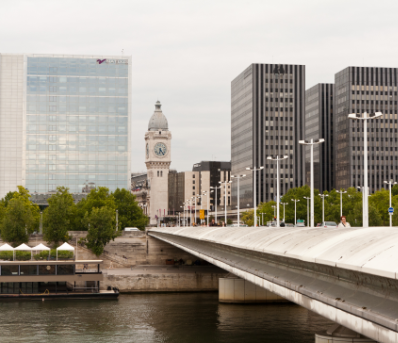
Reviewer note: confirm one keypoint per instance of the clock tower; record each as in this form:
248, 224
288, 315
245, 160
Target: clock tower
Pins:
157, 160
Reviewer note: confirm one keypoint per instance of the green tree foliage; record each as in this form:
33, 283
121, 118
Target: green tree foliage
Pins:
352, 207
101, 228
58, 216
19, 217
130, 214
247, 217
97, 198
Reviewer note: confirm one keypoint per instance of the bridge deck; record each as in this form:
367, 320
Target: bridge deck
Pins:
347, 275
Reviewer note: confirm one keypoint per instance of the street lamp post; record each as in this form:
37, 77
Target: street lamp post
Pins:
341, 200
390, 183
284, 203
201, 202
277, 159
312, 142
262, 218
295, 210
365, 117
308, 212
254, 170
238, 177
225, 199
323, 206
216, 199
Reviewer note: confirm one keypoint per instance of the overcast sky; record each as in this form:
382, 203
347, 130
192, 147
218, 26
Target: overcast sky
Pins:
186, 53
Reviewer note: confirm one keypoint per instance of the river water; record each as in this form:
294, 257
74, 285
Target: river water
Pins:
168, 318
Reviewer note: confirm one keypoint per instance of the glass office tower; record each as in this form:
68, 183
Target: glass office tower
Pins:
75, 121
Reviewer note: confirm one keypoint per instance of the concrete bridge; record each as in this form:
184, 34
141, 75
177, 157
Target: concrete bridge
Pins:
346, 275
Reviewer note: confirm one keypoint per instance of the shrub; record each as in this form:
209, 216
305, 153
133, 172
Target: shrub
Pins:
22, 255
62, 255
6, 255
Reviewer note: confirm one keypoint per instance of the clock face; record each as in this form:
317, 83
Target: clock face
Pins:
160, 149
147, 150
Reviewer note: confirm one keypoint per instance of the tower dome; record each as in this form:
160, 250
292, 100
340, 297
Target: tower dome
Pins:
158, 120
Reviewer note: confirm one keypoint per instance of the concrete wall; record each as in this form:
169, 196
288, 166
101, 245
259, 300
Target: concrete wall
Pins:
163, 282
237, 290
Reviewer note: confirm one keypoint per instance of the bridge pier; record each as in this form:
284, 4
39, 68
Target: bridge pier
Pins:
340, 334
234, 290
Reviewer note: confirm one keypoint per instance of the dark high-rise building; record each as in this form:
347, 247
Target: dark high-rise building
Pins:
319, 124
360, 89
267, 118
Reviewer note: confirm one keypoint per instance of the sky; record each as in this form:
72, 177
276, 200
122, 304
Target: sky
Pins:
185, 53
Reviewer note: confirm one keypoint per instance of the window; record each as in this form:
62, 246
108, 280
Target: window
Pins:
158, 173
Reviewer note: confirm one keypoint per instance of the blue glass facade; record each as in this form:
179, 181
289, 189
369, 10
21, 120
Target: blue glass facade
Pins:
77, 123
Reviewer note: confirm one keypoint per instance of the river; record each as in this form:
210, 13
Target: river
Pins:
168, 318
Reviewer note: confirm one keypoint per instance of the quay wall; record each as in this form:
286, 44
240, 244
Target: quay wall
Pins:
149, 282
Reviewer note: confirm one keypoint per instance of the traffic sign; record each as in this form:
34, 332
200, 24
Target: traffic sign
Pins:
391, 210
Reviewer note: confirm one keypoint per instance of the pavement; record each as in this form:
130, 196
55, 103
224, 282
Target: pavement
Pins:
162, 269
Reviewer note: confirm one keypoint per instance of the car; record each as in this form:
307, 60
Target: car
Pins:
300, 225
318, 225
289, 225
329, 224
131, 229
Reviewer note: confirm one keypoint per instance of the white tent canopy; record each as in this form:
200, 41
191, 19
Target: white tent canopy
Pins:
23, 247
6, 247
66, 247
40, 247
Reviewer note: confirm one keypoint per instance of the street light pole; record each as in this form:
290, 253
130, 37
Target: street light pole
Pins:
323, 206
365, 117
308, 212
284, 203
216, 202
254, 170
262, 218
341, 200
277, 159
295, 210
390, 183
238, 177
225, 199
312, 142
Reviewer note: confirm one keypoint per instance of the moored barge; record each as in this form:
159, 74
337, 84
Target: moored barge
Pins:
75, 279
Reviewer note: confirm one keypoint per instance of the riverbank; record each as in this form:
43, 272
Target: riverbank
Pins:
163, 278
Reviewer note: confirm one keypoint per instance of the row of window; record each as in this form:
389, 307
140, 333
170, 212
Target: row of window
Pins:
160, 173
372, 157
360, 148
271, 128
14, 270
373, 167
373, 93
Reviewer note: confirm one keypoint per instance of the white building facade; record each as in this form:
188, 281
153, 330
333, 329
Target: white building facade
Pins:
65, 121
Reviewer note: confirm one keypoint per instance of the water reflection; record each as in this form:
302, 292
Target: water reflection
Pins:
171, 318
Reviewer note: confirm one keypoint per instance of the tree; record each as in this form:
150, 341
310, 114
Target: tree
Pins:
101, 228
97, 198
247, 217
17, 222
19, 216
130, 214
58, 216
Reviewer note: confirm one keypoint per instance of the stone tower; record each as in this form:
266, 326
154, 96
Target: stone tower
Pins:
157, 160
